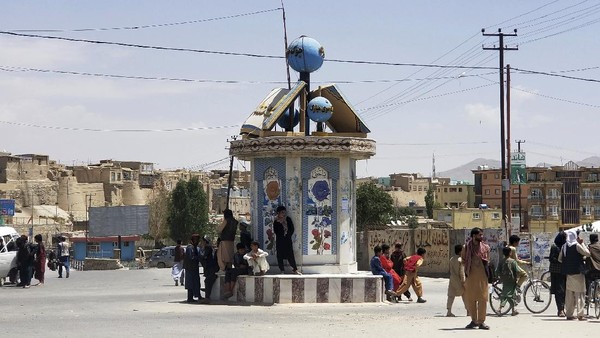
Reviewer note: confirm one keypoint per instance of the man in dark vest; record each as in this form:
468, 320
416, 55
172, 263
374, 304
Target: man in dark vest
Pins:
593, 261
572, 258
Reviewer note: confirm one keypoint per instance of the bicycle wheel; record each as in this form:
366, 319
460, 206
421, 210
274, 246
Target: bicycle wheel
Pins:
537, 296
495, 291
596, 295
545, 277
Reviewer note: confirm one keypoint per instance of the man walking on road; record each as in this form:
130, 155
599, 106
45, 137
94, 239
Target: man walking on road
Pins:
572, 258
62, 252
475, 256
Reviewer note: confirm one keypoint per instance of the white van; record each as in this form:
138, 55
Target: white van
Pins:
8, 251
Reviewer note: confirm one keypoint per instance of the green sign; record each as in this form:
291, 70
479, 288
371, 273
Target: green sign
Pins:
518, 173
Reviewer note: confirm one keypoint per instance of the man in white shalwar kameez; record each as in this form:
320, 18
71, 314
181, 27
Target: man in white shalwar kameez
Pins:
177, 270
572, 257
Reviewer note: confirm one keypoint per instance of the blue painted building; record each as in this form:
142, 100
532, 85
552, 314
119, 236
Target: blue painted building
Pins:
103, 247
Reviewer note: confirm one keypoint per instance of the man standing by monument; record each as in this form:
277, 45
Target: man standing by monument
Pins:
284, 229
475, 257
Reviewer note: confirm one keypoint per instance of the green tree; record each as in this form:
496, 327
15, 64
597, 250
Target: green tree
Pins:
412, 222
373, 206
188, 210
429, 201
159, 212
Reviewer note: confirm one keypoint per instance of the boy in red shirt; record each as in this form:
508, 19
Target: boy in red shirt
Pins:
411, 266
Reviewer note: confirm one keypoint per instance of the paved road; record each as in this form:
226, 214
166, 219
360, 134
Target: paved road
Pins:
145, 303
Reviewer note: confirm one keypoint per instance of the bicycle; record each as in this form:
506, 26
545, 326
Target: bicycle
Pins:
536, 296
593, 298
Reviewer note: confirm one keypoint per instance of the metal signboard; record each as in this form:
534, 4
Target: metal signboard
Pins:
118, 221
7, 207
518, 173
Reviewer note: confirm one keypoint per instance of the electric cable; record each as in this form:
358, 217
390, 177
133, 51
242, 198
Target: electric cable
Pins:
145, 26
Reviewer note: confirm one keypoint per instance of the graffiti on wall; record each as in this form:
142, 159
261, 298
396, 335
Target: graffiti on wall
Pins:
435, 242
540, 249
272, 199
319, 212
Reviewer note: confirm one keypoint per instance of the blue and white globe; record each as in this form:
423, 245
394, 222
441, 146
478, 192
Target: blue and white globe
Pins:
319, 109
305, 55
284, 120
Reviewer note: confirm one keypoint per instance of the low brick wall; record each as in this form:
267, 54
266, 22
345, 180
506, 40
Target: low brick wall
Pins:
101, 264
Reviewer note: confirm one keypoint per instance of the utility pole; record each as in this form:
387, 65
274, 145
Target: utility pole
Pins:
508, 148
501, 48
520, 215
230, 178
88, 205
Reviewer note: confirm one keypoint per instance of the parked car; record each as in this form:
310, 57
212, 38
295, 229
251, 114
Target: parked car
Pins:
163, 258
8, 253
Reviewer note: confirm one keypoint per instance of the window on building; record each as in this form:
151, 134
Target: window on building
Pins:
118, 176
112, 176
445, 189
126, 243
597, 212
497, 192
514, 215
487, 191
535, 193
115, 244
536, 211
452, 189
419, 188
496, 176
593, 177
597, 194
476, 215
496, 215
516, 192
586, 210
586, 193
93, 247
459, 189
553, 210
553, 193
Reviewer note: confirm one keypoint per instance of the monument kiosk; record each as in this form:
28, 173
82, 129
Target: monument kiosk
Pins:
312, 174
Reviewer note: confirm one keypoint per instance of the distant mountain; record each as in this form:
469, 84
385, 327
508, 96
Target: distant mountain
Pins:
589, 162
464, 173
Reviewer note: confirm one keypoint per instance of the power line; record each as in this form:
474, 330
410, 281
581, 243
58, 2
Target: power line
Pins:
546, 96
429, 97
204, 51
145, 26
136, 77
556, 98
117, 130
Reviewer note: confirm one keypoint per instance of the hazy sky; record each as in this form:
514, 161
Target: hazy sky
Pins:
413, 112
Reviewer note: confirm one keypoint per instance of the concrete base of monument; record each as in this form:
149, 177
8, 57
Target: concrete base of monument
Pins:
361, 287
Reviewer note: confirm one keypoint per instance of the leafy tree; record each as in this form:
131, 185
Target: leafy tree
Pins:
406, 211
412, 221
159, 211
188, 210
373, 206
429, 201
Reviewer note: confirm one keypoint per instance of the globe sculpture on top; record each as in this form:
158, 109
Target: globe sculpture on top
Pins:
305, 55
284, 120
319, 109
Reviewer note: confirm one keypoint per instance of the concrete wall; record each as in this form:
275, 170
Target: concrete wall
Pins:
439, 244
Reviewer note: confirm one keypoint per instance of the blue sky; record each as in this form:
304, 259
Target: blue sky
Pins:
452, 112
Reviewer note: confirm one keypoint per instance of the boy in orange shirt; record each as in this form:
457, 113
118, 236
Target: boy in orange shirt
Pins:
411, 266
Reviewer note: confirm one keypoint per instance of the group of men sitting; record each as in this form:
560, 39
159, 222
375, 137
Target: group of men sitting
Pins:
399, 271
